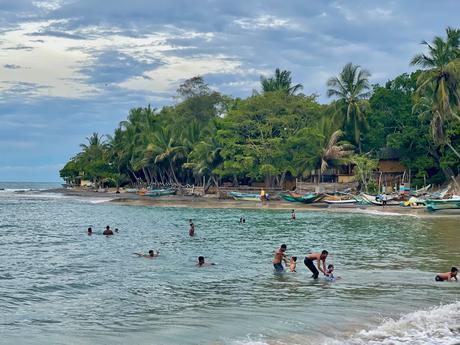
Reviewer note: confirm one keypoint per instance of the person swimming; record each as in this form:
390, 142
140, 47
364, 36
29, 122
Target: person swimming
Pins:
293, 264
152, 254
329, 275
280, 256
202, 263
90, 231
191, 231
447, 276
107, 231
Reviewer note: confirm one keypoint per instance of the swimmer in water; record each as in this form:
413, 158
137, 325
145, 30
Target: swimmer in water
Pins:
201, 262
448, 276
280, 256
191, 231
293, 215
293, 264
107, 231
152, 254
90, 231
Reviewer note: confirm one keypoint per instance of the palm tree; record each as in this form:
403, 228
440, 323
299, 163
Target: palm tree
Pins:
441, 77
281, 81
351, 88
332, 151
438, 86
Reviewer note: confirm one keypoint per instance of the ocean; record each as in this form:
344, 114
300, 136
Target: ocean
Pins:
60, 286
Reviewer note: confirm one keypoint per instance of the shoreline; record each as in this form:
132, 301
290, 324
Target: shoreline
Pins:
131, 199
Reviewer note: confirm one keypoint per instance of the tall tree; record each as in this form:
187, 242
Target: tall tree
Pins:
351, 87
438, 86
281, 81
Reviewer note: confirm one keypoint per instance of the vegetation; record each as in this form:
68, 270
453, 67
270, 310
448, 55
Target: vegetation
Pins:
278, 133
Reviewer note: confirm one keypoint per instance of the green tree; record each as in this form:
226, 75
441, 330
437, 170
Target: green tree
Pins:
351, 88
281, 81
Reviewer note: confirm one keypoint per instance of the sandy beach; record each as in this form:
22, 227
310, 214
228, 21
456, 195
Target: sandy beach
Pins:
211, 201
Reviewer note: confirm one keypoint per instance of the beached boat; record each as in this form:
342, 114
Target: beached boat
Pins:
159, 192
131, 190
244, 196
443, 204
374, 200
340, 202
305, 199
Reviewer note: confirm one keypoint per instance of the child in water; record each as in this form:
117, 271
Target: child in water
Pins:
292, 264
448, 276
329, 275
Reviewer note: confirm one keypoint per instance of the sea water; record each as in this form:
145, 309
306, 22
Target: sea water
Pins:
60, 286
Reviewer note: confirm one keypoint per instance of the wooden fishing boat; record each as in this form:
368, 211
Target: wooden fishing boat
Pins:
340, 202
159, 192
244, 196
305, 199
443, 204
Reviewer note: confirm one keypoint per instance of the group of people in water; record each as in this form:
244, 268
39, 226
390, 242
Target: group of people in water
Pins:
281, 257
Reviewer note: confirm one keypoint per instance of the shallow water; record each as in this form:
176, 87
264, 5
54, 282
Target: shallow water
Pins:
60, 286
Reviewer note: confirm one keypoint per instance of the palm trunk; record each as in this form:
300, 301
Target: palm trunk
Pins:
453, 149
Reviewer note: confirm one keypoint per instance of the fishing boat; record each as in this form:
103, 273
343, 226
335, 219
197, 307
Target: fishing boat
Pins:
375, 200
305, 199
159, 192
244, 196
443, 204
340, 202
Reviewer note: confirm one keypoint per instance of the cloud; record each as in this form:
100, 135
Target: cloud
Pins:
11, 66
74, 67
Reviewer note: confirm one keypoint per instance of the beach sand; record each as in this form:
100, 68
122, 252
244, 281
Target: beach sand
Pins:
211, 201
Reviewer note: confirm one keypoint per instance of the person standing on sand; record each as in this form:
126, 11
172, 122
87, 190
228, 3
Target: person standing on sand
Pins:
280, 256
293, 215
320, 258
107, 231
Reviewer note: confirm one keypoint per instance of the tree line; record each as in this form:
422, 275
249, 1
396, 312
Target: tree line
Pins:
279, 132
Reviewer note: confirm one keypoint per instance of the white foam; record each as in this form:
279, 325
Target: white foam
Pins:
440, 325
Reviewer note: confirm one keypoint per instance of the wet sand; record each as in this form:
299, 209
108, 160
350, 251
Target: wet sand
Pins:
211, 201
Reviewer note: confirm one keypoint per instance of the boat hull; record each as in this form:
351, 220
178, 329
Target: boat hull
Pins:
446, 204
160, 192
244, 197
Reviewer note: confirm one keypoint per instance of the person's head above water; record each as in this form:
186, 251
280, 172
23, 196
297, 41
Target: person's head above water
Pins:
324, 254
201, 260
454, 271
330, 267
292, 211
107, 227
90, 229
151, 252
283, 247
294, 258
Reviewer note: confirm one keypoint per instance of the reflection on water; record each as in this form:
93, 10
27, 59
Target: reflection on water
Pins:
58, 285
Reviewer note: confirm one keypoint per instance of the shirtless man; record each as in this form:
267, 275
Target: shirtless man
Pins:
279, 258
320, 258
201, 262
107, 231
293, 215
448, 276
150, 255
191, 231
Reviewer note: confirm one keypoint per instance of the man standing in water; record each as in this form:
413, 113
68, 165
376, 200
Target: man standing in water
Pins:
320, 258
107, 231
293, 215
279, 257
191, 231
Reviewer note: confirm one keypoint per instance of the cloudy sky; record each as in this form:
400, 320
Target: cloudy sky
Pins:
71, 67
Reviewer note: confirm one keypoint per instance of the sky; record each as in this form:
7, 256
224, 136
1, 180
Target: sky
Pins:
69, 68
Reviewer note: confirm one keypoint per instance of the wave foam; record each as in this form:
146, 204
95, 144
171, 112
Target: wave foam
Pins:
439, 325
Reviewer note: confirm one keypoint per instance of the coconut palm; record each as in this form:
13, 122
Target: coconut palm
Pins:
441, 77
281, 81
351, 87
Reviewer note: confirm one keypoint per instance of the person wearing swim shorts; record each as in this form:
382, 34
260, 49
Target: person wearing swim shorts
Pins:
448, 276
279, 258
320, 258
